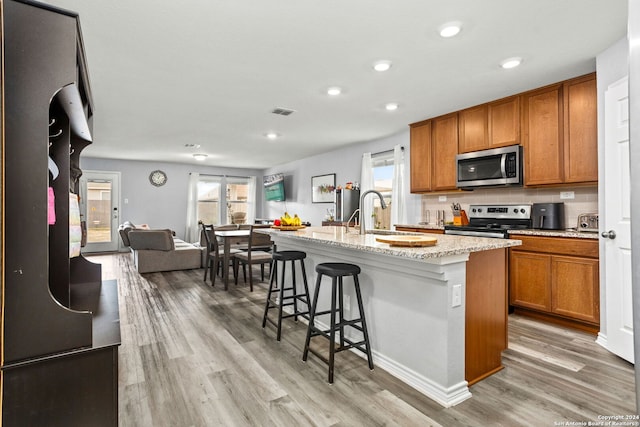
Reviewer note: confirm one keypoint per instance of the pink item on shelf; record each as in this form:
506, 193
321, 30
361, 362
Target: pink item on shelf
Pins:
51, 207
75, 230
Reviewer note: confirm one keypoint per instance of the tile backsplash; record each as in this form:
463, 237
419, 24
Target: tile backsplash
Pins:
585, 200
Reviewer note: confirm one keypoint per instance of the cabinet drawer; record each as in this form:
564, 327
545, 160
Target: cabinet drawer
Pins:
557, 245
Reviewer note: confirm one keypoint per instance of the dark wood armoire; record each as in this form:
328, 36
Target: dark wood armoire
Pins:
60, 322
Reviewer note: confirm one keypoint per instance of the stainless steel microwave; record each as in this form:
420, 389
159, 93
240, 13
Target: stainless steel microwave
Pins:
494, 167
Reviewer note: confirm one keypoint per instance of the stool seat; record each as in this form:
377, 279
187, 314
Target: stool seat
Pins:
289, 255
337, 269
337, 322
286, 295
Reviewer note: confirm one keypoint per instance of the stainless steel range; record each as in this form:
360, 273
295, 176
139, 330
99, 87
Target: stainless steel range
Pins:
493, 221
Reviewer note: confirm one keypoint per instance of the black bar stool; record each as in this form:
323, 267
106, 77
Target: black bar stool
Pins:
337, 270
280, 289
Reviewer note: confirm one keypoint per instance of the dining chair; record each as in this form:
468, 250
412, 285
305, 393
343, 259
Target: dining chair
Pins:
214, 254
258, 252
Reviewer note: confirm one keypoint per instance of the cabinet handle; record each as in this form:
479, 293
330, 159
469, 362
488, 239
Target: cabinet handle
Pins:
609, 234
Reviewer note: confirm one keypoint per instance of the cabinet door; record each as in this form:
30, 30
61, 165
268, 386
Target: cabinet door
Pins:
542, 127
530, 280
472, 129
504, 122
445, 149
421, 157
575, 288
581, 130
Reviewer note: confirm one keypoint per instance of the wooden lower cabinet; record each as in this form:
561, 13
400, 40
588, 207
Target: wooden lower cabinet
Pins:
575, 288
530, 279
557, 278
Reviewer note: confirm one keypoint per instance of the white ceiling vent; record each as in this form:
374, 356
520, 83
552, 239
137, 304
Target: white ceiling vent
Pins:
282, 111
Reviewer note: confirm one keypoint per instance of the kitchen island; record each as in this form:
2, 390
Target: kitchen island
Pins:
436, 315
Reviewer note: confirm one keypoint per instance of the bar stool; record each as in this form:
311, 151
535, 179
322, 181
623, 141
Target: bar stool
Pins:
337, 271
280, 289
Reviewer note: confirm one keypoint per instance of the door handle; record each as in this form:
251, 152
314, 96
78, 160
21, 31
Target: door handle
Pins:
609, 234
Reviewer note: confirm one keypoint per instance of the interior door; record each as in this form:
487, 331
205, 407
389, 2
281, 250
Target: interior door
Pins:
100, 207
615, 224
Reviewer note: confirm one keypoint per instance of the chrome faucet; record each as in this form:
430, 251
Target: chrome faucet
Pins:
346, 225
383, 205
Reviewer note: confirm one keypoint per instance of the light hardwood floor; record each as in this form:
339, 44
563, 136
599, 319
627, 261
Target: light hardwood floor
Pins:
193, 355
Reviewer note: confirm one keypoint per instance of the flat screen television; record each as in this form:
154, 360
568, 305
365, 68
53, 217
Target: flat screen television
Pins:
274, 187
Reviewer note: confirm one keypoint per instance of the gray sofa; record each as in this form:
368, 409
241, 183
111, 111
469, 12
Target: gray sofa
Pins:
159, 250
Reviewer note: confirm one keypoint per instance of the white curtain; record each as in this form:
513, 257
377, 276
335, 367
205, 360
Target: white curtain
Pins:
398, 211
192, 233
251, 202
367, 183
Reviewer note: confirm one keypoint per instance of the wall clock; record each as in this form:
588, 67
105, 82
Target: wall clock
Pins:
158, 178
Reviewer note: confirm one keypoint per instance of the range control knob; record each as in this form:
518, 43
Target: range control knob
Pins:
515, 211
522, 211
583, 225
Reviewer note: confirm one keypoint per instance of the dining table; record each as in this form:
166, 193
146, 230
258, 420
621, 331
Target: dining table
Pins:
230, 238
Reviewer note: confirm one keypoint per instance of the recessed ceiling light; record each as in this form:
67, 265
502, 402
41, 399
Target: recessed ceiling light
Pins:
392, 106
200, 157
272, 135
511, 62
382, 65
334, 91
450, 29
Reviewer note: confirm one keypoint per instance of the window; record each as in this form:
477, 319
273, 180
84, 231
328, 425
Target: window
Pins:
209, 194
383, 166
238, 199
225, 200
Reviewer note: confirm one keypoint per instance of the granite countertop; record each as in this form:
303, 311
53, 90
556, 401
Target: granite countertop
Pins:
556, 233
447, 245
571, 233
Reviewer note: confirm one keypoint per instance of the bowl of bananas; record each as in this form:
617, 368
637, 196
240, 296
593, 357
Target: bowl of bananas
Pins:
288, 222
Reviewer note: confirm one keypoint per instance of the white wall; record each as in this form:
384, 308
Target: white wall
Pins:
346, 164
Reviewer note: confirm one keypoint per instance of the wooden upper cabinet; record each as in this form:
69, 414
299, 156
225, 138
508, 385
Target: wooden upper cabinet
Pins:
492, 125
504, 122
473, 129
444, 141
420, 157
542, 127
580, 130
556, 124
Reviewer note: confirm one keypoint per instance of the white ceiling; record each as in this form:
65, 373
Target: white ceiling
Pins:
209, 72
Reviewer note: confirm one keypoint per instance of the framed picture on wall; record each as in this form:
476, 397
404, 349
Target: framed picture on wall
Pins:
323, 188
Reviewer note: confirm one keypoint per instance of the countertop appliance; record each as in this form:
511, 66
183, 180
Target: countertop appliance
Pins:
493, 221
495, 167
547, 216
588, 222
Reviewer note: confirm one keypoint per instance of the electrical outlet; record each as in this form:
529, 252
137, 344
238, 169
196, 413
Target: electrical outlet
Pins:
564, 195
456, 296
126, 201
442, 198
